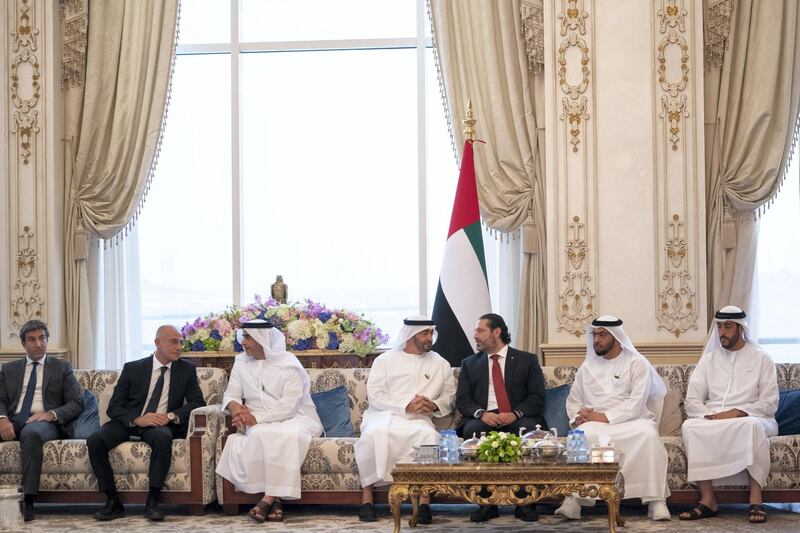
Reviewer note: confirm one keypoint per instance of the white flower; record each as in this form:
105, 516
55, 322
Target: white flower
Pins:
513, 443
495, 444
202, 334
226, 344
503, 434
299, 329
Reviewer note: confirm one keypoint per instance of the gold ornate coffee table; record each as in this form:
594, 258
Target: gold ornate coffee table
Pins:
521, 483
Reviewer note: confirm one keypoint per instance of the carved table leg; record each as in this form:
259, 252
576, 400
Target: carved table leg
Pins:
414, 492
610, 495
397, 495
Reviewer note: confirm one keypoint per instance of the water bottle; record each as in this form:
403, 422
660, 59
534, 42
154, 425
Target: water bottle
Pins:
453, 453
443, 444
582, 448
571, 446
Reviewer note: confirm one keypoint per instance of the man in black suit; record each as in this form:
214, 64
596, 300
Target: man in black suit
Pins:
499, 389
51, 399
152, 400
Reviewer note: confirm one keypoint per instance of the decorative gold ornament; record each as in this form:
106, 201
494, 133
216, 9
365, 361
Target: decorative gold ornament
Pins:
576, 299
574, 104
27, 304
677, 310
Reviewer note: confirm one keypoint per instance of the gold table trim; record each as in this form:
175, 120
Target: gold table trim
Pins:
503, 482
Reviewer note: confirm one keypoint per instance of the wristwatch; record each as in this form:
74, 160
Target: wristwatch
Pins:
172, 418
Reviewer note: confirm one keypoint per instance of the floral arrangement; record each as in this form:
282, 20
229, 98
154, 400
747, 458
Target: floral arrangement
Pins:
500, 447
306, 325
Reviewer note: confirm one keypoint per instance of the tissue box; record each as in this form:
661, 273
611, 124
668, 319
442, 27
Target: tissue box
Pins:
602, 454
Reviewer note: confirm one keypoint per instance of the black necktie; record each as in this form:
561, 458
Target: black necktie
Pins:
22, 417
155, 399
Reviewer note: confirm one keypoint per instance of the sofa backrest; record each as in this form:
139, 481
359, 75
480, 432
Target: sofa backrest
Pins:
212, 382
675, 376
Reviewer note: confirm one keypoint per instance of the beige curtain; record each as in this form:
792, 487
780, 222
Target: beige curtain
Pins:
751, 109
113, 125
481, 54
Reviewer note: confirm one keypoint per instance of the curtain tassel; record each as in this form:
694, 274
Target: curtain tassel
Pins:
80, 243
530, 242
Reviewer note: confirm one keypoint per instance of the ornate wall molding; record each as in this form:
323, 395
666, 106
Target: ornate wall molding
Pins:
676, 297
573, 103
576, 299
27, 304
576, 220
25, 80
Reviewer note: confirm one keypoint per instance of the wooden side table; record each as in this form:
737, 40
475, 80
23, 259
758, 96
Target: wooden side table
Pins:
504, 483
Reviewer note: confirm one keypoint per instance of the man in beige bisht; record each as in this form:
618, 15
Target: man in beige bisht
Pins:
730, 404
269, 397
406, 388
618, 393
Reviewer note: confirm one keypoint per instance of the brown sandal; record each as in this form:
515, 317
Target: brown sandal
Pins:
757, 514
275, 513
259, 511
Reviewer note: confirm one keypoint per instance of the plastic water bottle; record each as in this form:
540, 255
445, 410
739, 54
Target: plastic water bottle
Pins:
582, 447
453, 452
571, 446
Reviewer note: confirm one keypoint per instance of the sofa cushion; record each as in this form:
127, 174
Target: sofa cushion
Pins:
788, 414
88, 421
326, 455
671, 415
333, 408
555, 408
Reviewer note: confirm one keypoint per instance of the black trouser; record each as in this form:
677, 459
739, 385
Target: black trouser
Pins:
476, 426
112, 434
31, 440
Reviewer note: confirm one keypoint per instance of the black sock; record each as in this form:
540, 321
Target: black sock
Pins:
153, 495
113, 497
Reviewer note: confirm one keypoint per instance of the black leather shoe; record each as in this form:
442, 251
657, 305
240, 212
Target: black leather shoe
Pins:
153, 512
28, 511
366, 513
526, 513
484, 513
111, 511
424, 515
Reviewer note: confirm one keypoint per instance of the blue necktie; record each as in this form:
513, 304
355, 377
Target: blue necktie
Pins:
22, 417
155, 399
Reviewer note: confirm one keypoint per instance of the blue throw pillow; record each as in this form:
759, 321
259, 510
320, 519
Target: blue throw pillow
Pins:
555, 408
333, 408
88, 421
788, 414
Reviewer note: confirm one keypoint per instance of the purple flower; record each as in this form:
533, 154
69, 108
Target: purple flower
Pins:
237, 347
198, 346
303, 344
215, 335
257, 298
187, 330
333, 341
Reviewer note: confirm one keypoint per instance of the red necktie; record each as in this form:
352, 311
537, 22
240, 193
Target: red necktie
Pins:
503, 405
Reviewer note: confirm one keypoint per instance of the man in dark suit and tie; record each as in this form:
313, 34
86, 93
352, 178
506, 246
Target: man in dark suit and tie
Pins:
152, 400
499, 389
39, 397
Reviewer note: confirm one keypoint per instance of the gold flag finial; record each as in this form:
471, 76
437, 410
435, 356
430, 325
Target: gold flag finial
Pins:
469, 123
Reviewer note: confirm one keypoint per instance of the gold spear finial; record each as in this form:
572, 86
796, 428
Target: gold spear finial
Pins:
469, 122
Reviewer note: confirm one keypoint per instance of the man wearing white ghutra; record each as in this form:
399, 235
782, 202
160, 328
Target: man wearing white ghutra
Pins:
731, 402
618, 393
269, 397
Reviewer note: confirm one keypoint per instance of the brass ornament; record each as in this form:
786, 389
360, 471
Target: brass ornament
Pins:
576, 299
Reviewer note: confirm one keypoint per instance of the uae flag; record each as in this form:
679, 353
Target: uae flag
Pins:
463, 292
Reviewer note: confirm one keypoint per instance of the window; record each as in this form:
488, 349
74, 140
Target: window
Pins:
306, 141
779, 272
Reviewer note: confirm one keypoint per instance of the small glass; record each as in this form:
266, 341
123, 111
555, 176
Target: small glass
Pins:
426, 453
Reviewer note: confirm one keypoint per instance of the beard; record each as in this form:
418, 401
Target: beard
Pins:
729, 342
601, 350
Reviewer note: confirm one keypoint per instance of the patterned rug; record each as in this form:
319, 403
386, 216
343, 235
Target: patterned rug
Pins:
447, 518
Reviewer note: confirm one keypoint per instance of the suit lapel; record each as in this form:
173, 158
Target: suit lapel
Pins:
511, 365
173, 383
17, 380
47, 374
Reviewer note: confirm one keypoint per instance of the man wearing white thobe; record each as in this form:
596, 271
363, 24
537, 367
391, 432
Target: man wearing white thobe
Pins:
269, 397
406, 388
730, 403
617, 393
